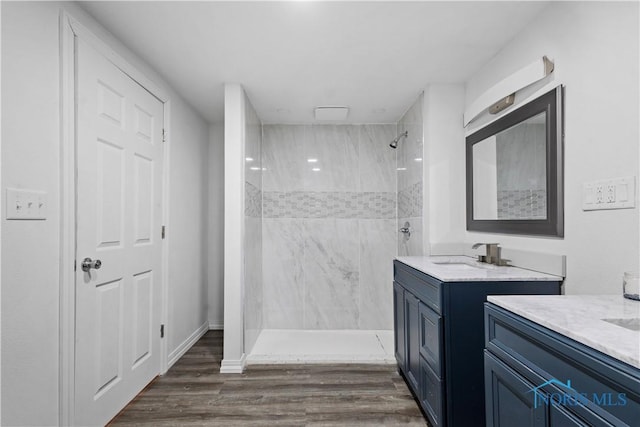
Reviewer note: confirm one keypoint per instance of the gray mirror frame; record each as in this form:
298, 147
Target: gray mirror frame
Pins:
551, 103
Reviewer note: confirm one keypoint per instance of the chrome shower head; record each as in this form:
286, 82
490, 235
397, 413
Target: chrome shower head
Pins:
394, 143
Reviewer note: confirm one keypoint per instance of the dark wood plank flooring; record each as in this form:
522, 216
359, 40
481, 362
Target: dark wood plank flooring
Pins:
194, 393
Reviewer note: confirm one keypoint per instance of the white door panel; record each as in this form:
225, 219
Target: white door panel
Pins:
119, 208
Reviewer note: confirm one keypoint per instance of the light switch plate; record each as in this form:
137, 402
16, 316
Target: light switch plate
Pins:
614, 193
26, 204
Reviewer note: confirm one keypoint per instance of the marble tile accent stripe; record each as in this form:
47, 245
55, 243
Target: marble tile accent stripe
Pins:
522, 204
410, 201
252, 201
330, 204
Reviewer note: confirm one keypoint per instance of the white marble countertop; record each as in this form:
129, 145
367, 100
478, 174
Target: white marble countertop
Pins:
462, 268
579, 317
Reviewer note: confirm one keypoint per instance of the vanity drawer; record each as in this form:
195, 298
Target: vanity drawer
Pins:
431, 338
540, 354
425, 288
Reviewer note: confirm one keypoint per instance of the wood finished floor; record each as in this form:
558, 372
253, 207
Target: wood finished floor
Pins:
194, 393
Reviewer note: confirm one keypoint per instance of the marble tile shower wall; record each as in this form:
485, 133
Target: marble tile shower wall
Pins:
329, 226
410, 180
254, 301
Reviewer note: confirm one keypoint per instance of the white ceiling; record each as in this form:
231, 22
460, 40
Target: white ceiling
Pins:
374, 57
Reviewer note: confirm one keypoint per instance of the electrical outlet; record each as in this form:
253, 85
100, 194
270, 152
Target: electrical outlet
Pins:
599, 193
615, 193
611, 193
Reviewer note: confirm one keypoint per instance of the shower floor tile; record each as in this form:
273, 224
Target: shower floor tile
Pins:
312, 346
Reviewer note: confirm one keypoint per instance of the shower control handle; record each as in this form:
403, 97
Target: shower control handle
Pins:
406, 229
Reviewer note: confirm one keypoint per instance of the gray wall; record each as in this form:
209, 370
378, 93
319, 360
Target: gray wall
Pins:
215, 249
30, 159
601, 113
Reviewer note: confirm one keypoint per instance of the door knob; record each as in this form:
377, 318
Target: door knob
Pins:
88, 264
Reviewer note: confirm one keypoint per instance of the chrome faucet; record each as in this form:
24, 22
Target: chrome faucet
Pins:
493, 254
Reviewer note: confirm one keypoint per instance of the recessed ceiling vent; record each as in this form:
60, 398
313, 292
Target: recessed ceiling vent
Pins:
331, 113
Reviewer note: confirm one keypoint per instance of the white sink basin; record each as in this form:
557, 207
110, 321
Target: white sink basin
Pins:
447, 261
457, 264
461, 266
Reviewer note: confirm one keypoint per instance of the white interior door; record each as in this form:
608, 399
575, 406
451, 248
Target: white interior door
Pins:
119, 208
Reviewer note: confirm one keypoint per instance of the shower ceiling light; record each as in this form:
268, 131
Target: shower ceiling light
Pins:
331, 113
312, 160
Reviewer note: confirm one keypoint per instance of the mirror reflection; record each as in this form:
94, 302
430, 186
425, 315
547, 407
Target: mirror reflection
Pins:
509, 173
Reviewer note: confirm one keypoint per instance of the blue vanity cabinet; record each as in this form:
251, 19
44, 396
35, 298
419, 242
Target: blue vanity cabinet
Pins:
537, 377
398, 323
412, 339
439, 338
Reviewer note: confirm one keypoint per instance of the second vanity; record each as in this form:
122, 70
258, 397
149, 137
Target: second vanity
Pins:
556, 361
439, 329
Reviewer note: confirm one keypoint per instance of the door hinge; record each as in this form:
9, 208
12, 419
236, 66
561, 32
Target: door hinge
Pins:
163, 231
164, 135
161, 331
75, 265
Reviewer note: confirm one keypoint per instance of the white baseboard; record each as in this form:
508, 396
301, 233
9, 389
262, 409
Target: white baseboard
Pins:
216, 326
176, 354
233, 366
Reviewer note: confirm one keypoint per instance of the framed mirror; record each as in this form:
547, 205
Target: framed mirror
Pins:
515, 171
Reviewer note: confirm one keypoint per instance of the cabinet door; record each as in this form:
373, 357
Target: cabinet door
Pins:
398, 325
432, 393
509, 398
431, 338
412, 336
